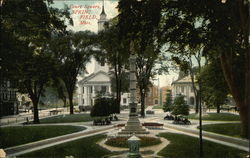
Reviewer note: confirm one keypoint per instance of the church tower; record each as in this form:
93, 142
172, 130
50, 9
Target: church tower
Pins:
101, 66
103, 19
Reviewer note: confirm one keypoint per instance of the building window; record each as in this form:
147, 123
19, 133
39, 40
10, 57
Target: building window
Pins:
191, 100
156, 101
103, 89
91, 102
82, 90
124, 101
82, 101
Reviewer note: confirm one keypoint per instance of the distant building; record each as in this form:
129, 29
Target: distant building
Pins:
163, 94
152, 96
8, 99
184, 87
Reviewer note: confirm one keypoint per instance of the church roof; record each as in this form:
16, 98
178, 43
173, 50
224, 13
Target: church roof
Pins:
93, 75
186, 79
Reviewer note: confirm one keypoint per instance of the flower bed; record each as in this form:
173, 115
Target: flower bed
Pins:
122, 141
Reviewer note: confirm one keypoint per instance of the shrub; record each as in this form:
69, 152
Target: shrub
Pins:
180, 107
102, 107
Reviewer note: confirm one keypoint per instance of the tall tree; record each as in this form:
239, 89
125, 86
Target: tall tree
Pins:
116, 53
214, 92
168, 106
73, 51
226, 37
29, 25
138, 22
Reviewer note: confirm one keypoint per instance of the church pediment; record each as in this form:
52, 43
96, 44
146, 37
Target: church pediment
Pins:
100, 76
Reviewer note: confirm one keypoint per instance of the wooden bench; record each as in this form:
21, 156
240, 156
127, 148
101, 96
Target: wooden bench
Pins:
54, 112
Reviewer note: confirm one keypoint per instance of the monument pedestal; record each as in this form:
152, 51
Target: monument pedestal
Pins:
133, 126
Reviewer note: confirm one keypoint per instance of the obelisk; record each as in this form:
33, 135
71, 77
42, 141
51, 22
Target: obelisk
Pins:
133, 125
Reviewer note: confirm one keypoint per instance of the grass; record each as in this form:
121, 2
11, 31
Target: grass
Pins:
229, 129
122, 141
183, 146
85, 147
158, 107
12, 136
67, 118
216, 117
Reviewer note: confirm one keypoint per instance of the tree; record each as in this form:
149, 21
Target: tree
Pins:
214, 92
180, 106
73, 51
138, 21
168, 106
29, 26
61, 90
116, 54
226, 38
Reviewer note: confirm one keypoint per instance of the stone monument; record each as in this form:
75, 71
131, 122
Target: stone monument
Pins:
133, 125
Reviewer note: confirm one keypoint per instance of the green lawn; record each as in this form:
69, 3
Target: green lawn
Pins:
217, 117
12, 136
230, 129
183, 146
158, 107
85, 147
67, 118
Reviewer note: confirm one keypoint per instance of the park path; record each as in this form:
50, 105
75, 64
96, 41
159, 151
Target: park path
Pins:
168, 127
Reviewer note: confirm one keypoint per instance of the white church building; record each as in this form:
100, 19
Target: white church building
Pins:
98, 82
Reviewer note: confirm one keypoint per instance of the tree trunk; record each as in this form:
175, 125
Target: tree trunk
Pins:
142, 103
244, 121
241, 101
71, 106
218, 108
118, 93
35, 111
64, 102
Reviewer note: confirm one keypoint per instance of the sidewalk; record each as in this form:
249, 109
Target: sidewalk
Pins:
191, 130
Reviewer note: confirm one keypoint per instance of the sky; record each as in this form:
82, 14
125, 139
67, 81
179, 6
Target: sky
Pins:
85, 15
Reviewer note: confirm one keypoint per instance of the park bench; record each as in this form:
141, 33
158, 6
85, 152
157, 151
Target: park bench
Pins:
105, 121
169, 117
150, 112
54, 112
181, 120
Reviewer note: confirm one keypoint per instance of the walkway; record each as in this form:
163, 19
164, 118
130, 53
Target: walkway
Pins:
158, 117
22, 149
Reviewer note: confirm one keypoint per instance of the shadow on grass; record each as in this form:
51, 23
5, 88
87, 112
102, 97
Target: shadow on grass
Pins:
13, 136
183, 146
